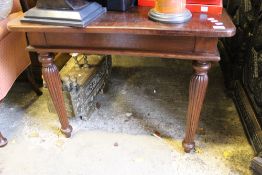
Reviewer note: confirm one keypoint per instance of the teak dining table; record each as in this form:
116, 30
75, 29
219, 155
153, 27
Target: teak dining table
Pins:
132, 33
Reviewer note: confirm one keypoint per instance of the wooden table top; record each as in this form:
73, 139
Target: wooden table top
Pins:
135, 21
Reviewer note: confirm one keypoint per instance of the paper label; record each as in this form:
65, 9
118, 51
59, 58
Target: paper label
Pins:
219, 27
219, 23
204, 9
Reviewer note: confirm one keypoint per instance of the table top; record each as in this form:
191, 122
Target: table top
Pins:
135, 21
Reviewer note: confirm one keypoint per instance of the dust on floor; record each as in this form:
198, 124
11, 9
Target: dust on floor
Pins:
145, 96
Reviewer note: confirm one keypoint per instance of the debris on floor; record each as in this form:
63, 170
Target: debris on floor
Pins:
131, 132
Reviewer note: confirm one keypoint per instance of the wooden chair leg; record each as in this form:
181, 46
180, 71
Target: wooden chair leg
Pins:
32, 82
3, 141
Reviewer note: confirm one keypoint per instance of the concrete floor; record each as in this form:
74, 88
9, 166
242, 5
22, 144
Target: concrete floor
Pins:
145, 96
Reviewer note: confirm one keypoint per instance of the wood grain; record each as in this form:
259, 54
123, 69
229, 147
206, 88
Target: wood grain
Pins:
135, 21
197, 91
185, 56
53, 81
132, 33
180, 47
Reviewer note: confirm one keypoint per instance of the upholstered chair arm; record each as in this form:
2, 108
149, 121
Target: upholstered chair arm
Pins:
3, 24
16, 6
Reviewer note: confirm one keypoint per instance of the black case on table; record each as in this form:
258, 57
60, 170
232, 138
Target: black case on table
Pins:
117, 5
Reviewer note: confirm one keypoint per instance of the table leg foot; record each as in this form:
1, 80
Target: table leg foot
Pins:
53, 81
197, 91
188, 146
67, 131
3, 141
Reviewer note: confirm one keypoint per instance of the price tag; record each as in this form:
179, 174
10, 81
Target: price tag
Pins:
204, 9
219, 23
219, 27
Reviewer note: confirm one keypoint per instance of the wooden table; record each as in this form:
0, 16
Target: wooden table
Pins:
132, 33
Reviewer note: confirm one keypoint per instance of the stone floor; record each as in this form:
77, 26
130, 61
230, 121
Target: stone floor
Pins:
145, 96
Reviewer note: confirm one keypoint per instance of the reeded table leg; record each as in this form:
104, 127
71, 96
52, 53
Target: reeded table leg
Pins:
3, 141
197, 91
53, 81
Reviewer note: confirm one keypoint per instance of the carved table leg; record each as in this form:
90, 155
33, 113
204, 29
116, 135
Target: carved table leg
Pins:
3, 141
197, 91
53, 81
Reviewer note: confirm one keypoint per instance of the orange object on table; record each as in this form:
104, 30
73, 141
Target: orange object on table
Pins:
203, 6
170, 11
170, 6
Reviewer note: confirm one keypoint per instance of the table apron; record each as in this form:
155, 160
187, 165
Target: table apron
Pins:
139, 45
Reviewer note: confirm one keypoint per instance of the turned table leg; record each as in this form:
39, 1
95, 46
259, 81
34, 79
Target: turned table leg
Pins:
3, 141
53, 81
197, 91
